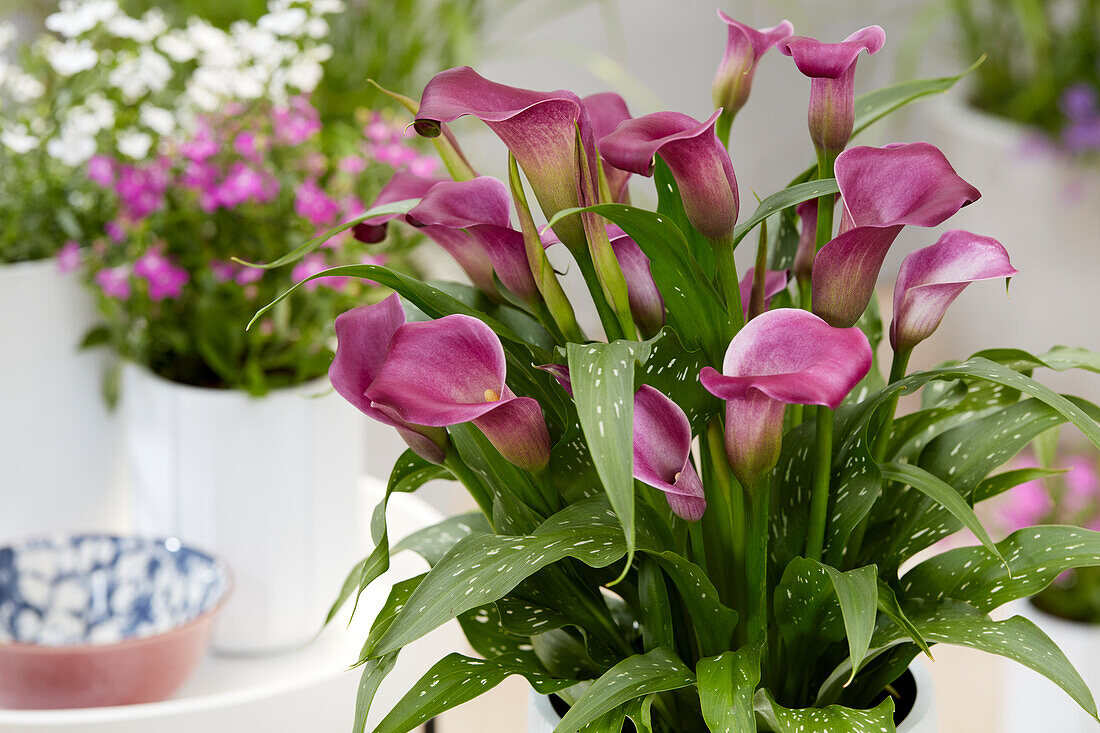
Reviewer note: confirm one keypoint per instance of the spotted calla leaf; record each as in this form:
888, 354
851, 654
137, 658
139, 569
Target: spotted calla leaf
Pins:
523, 618
857, 483
726, 686
408, 474
483, 568
1002, 482
374, 672
829, 719
642, 674
943, 494
806, 609
890, 607
713, 621
1037, 555
672, 369
432, 543
451, 681
857, 592
654, 611
603, 386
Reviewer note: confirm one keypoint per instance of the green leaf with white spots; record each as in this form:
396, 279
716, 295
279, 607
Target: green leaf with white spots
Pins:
806, 609
1037, 555
523, 618
943, 494
1061, 358
603, 387
959, 624
713, 621
889, 606
673, 370
655, 613
726, 684
642, 674
451, 681
857, 483
857, 592
432, 543
830, 719
408, 474
482, 568
996, 485
374, 672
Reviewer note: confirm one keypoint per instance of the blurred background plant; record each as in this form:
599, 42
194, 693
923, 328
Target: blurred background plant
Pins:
1069, 496
1041, 67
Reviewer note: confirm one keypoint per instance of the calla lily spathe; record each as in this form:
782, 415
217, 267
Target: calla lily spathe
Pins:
471, 221
932, 277
744, 48
662, 453
647, 306
450, 371
403, 185
775, 282
882, 191
607, 111
698, 161
784, 356
539, 128
832, 71
363, 338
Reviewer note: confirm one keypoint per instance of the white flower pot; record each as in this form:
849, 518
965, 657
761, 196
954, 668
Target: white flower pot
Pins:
1034, 703
269, 484
58, 442
541, 717
1045, 210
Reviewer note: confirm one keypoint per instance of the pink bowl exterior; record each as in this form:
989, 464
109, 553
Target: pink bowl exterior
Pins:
126, 673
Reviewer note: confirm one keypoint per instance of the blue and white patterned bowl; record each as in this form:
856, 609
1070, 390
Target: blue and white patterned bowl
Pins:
74, 607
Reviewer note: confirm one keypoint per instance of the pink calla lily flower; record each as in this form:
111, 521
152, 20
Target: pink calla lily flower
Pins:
450, 371
646, 304
784, 356
471, 221
775, 282
698, 161
932, 277
744, 48
832, 71
606, 112
539, 128
403, 185
363, 338
882, 190
662, 453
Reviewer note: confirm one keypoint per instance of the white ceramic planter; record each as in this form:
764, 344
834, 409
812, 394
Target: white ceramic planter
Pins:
58, 446
1034, 703
541, 717
1046, 212
269, 484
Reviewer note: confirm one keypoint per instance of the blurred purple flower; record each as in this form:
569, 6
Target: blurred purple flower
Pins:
116, 230
245, 143
165, 278
248, 275
1078, 102
223, 271
141, 189
202, 144
68, 257
101, 170
114, 282
311, 202
310, 265
296, 122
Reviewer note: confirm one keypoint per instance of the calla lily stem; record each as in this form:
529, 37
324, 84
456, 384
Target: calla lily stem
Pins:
731, 286
882, 438
757, 496
473, 484
819, 499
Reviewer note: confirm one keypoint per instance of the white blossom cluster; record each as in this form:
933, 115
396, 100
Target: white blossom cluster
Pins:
167, 75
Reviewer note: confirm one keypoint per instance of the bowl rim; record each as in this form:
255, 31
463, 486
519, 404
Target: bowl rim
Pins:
23, 647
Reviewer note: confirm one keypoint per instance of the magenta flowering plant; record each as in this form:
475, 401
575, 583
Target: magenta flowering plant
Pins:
247, 182
705, 514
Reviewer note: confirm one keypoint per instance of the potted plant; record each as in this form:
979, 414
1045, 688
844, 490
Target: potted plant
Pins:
52, 108
699, 519
1065, 490
231, 440
1029, 114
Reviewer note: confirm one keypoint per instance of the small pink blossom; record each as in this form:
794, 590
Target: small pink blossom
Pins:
315, 164
352, 164
296, 122
116, 230
223, 271
141, 189
114, 282
246, 145
248, 275
379, 131
311, 265
424, 166
202, 145
395, 155
101, 170
68, 257
312, 203
166, 279
244, 183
